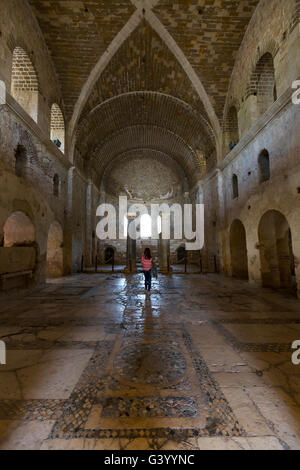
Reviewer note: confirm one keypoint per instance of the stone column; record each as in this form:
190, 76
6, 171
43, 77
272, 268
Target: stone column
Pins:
68, 268
164, 255
130, 254
88, 233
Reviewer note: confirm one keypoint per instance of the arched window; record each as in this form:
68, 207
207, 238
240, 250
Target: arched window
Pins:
20, 161
232, 127
235, 187
264, 166
24, 83
145, 225
57, 127
263, 83
56, 185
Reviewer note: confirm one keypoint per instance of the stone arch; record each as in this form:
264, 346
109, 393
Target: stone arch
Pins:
238, 250
156, 138
122, 36
231, 128
296, 15
264, 166
57, 127
19, 251
276, 254
24, 83
18, 230
55, 267
262, 83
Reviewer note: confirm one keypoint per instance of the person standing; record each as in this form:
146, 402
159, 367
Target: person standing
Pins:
147, 267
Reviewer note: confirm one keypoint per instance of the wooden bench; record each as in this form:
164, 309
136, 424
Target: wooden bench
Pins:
28, 274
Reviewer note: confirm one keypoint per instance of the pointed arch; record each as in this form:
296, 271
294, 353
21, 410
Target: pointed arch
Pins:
137, 17
57, 127
24, 83
262, 83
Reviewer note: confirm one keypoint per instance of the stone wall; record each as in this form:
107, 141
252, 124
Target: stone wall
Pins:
274, 31
19, 29
280, 193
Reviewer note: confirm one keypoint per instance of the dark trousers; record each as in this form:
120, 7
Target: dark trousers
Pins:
147, 275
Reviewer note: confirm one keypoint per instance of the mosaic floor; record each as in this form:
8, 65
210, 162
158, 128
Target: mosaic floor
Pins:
204, 364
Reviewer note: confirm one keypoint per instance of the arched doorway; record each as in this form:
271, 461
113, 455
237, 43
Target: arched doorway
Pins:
238, 250
18, 230
55, 265
109, 255
18, 252
276, 254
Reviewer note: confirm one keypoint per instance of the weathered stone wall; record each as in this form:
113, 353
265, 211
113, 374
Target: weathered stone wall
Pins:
19, 28
148, 132
19, 195
274, 30
281, 192
42, 164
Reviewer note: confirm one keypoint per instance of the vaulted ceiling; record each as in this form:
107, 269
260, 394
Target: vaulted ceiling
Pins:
160, 66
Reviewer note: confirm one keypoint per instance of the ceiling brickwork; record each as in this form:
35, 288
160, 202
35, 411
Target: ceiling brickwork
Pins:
147, 137
147, 109
158, 77
77, 34
144, 63
209, 32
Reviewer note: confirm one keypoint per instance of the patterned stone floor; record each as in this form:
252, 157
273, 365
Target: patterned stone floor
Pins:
204, 364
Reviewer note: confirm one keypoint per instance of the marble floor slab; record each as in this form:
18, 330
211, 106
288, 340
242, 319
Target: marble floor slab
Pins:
204, 364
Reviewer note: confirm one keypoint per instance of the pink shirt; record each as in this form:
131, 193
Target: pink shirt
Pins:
147, 264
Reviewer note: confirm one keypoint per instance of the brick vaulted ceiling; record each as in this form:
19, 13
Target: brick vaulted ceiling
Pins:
170, 72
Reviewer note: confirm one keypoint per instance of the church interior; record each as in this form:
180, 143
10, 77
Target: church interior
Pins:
180, 102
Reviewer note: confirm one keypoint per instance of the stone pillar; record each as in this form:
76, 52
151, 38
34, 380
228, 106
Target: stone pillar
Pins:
131, 254
68, 226
164, 255
88, 234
